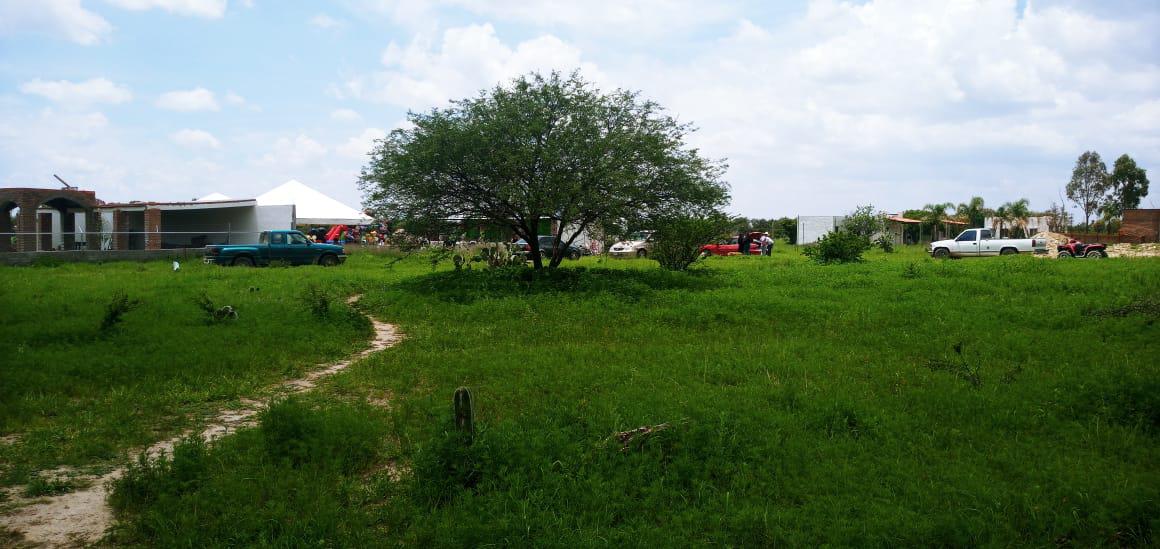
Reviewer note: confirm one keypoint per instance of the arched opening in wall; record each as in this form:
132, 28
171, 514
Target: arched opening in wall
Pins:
9, 223
60, 225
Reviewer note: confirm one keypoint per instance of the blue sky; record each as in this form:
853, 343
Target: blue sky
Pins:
818, 106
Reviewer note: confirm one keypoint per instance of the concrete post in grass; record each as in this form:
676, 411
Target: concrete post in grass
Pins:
464, 413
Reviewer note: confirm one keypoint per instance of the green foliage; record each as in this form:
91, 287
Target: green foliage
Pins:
885, 242
1127, 184
293, 481
864, 222
974, 211
785, 227
1089, 183
795, 379
39, 486
116, 309
838, 246
542, 147
317, 300
677, 241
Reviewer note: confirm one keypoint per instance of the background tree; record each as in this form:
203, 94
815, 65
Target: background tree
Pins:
974, 211
865, 222
1089, 183
542, 148
934, 215
1016, 214
1126, 186
785, 227
1058, 218
678, 239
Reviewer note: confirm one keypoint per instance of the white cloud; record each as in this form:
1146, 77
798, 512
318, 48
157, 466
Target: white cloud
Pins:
210, 9
297, 151
197, 99
324, 21
235, 99
195, 139
78, 94
64, 18
466, 60
628, 19
361, 144
345, 115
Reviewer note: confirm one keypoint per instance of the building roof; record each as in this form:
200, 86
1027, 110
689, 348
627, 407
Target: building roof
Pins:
310, 206
901, 219
187, 205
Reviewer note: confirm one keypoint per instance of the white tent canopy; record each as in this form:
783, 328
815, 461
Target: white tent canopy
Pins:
312, 207
212, 197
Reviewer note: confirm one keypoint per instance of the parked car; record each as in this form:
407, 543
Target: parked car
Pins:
547, 247
1075, 248
729, 246
291, 247
979, 242
638, 244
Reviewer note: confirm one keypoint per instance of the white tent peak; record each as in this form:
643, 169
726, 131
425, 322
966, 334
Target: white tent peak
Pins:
311, 206
212, 197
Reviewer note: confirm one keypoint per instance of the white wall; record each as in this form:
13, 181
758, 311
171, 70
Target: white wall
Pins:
811, 227
275, 218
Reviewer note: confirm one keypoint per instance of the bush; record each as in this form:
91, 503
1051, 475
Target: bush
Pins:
838, 246
886, 243
677, 241
864, 222
116, 309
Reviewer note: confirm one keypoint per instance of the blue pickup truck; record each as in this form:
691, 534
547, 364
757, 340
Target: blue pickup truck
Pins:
291, 247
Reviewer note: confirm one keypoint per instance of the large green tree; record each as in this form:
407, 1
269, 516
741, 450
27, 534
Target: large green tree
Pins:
1089, 183
543, 147
1126, 186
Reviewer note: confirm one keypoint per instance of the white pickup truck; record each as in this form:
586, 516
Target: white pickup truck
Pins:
978, 242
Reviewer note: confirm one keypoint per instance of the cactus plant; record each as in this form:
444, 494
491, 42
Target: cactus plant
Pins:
464, 413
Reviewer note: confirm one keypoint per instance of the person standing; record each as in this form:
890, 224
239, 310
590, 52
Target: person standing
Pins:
743, 243
766, 244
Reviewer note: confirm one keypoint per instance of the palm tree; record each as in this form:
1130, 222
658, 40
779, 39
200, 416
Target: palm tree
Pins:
1019, 211
974, 211
1002, 214
933, 214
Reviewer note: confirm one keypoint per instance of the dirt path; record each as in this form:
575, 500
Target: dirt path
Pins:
82, 517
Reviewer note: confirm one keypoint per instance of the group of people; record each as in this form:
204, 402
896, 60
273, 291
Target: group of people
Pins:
371, 235
746, 242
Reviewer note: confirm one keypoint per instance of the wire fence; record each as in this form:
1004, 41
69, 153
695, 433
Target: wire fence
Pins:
123, 240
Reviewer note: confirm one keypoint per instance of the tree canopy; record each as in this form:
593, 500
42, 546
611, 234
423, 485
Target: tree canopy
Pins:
542, 147
1126, 186
1089, 182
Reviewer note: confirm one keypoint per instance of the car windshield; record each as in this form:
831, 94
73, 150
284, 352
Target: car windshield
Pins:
639, 235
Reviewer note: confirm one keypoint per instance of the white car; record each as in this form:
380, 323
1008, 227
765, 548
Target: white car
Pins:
638, 244
978, 242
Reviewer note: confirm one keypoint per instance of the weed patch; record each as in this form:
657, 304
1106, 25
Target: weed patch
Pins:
116, 309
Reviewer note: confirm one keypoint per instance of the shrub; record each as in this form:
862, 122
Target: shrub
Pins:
886, 243
838, 246
677, 241
116, 309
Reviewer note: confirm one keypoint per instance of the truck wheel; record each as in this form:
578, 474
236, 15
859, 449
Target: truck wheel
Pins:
328, 260
1065, 255
574, 255
243, 261
1096, 254
942, 253
642, 253
1008, 251
706, 254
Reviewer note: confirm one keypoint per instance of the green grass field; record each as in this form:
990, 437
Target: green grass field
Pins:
808, 404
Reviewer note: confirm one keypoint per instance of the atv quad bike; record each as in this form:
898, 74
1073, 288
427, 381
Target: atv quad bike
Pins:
1075, 248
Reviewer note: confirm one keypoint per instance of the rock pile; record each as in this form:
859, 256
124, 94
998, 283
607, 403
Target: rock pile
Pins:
1054, 240
1134, 250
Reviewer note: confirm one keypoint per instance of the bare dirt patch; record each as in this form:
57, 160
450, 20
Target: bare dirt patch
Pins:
81, 517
